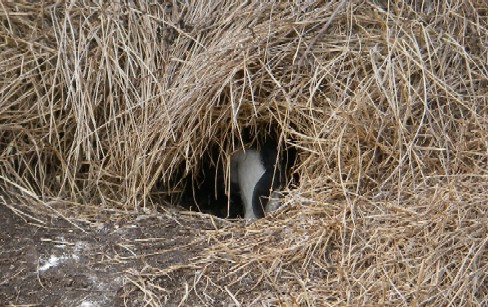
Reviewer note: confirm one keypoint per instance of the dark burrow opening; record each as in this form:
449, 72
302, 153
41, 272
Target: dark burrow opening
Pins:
217, 186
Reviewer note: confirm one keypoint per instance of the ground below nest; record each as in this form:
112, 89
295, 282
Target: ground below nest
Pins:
60, 265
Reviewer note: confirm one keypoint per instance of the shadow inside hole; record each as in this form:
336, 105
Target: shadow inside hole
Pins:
205, 190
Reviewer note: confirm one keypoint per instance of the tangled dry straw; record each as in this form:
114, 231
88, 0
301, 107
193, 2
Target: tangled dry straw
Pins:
386, 102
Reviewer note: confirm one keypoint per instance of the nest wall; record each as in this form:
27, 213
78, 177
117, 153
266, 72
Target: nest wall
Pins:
100, 101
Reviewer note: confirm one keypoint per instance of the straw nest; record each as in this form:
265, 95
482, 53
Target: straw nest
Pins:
113, 104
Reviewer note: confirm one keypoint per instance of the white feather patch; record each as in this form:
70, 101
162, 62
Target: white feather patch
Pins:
249, 170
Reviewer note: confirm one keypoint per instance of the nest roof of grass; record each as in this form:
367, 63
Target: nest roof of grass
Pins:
386, 102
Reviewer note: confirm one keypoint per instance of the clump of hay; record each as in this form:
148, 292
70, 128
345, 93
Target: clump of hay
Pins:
386, 104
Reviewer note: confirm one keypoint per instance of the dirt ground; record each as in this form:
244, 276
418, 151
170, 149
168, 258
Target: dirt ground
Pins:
62, 264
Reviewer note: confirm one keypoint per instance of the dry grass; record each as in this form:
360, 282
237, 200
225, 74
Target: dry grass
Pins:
386, 103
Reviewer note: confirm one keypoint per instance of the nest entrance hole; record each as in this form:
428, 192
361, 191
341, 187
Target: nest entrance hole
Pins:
209, 188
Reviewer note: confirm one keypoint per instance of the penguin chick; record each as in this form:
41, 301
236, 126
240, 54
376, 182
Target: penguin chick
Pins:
255, 174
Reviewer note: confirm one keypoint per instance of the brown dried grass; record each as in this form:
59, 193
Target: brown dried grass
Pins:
385, 102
